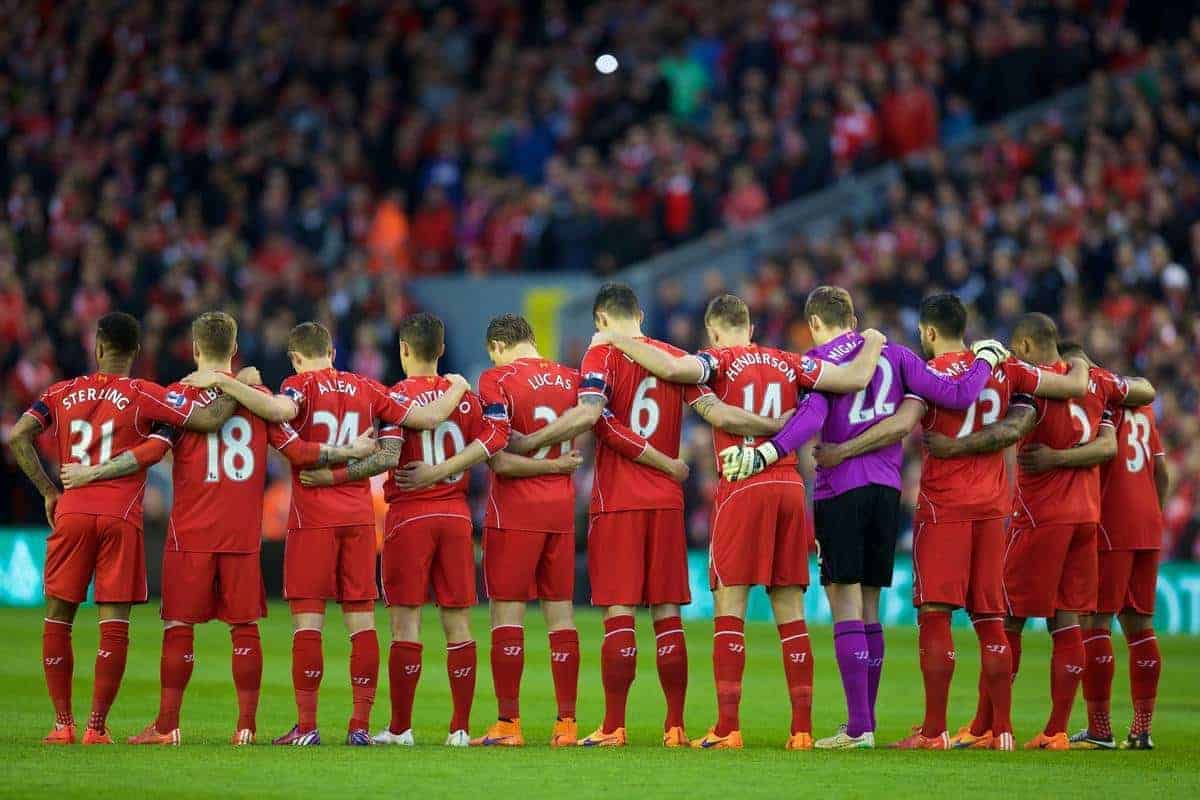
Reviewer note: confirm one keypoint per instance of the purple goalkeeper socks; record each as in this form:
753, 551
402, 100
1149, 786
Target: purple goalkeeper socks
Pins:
874, 633
850, 645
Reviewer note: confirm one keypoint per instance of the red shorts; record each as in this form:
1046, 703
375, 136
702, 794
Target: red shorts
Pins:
83, 546
429, 556
528, 565
330, 564
760, 536
638, 558
198, 587
1127, 581
1050, 568
960, 564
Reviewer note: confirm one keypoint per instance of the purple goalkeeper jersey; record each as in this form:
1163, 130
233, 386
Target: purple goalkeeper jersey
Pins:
841, 417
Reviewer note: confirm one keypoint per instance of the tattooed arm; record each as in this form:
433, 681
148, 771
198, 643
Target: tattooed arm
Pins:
988, 439
26, 455
148, 452
735, 420
385, 458
212, 416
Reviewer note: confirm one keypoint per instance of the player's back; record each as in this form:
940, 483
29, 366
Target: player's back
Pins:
450, 437
1066, 495
531, 393
851, 414
219, 479
1130, 517
975, 486
653, 409
335, 408
763, 381
94, 419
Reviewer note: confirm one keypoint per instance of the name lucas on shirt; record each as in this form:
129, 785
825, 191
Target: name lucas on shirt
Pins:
543, 379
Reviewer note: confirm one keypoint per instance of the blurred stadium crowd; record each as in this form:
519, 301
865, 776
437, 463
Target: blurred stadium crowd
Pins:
292, 160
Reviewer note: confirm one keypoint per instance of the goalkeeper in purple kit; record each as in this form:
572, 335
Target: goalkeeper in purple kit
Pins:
857, 503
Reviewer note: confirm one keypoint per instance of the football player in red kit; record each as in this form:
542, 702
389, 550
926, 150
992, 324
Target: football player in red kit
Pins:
760, 528
1050, 562
211, 567
529, 524
637, 550
97, 529
958, 537
330, 549
1133, 486
427, 547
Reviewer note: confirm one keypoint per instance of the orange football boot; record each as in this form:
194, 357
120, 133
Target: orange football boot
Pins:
92, 736
964, 739
566, 733
1057, 741
60, 734
675, 737
799, 741
150, 735
919, 741
710, 741
502, 733
598, 738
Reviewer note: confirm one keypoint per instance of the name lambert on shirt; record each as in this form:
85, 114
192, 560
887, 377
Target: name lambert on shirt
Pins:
91, 395
755, 357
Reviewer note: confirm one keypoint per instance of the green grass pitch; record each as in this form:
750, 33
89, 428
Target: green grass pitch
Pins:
205, 766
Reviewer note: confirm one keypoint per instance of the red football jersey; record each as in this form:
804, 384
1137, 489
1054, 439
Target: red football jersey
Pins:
219, 479
1130, 517
336, 408
1067, 496
972, 487
95, 418
763, 381
653, 409
526, 396
448, 439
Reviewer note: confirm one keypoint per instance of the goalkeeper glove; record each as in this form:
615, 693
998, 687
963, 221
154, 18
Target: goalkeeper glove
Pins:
990, 351
740, 461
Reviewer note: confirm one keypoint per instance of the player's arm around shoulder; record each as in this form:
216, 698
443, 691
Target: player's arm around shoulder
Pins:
855, 374
578, 419
1020, 420
429, 416
687, 368
1053, 386
252, 396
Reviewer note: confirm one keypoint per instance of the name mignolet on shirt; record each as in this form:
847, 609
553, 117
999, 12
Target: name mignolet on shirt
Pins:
842, 350
756, 357
543, 379
91, 395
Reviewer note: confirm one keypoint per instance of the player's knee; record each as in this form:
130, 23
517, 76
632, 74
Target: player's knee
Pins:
560, 615
108, 611
406, 623
175, 623
663, 611
60, 610
507, 613
1133, 622
456, 622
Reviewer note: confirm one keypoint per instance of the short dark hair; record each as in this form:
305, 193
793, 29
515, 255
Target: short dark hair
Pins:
215, 333
425, 334
119, 332
617, 299
945, 313
1075, 350
728, 310
509, 329
831, 304
310, 339
1037, 327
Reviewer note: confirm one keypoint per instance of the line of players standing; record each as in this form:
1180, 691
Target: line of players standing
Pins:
861, 395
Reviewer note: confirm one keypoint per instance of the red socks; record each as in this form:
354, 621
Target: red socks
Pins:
937, 668
564, 667
58, 662
1145, 666
798, 670
364, 676
461, 661
995, 677
508, 662
1097, 681
672, 667
618, 666
110, 668
308, 664
729, 663
174, 672
1067, 661
247, 666
404, 670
